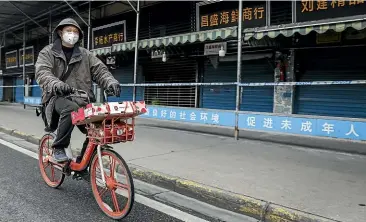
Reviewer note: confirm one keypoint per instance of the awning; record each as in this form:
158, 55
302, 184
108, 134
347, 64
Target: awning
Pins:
101, 51
179, 39
289, 31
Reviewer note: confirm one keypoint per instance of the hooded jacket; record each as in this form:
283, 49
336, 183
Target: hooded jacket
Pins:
84, 68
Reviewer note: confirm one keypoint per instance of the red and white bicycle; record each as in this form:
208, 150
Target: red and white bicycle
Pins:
109, 175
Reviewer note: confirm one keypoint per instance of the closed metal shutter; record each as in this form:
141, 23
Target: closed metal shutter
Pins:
174, 70
256, 99
260, 98
219, 97
36, 91
337, 64
19, 91
124, 75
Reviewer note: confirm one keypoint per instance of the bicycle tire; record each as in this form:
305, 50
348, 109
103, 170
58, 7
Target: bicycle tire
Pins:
102, 205
54, 184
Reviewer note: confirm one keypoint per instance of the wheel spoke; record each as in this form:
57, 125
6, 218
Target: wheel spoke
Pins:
45, 150
115, 202
53, 173
45, 165
112, 167
104, 190
100, 177
122, 186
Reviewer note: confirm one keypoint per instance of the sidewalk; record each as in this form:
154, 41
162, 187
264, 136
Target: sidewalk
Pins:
329, 184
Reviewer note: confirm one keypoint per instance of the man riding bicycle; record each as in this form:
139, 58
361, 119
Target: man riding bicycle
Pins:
60, 68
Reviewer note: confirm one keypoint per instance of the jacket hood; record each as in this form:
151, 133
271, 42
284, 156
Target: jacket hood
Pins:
67, 21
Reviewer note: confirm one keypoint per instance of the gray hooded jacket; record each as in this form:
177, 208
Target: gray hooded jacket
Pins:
51, 67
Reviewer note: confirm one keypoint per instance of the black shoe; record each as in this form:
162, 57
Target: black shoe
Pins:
59, 155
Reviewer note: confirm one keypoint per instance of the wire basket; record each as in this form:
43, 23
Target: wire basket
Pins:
111, 131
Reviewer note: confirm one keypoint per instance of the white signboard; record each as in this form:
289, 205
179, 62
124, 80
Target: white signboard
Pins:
214, 48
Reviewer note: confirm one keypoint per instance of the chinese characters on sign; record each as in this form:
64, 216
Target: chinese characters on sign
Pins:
310, 10
190, 115
105, 36
304, 126
11, 59
282, 124
254, 16
29, 56
214, 48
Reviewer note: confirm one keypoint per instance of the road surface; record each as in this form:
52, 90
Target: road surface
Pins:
25, 197
326, 183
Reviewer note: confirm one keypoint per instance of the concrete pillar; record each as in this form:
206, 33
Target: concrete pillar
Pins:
283, 97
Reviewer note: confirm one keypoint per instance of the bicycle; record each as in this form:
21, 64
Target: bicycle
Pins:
101, 131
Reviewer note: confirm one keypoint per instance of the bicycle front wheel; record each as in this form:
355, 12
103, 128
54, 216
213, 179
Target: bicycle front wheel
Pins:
116, 197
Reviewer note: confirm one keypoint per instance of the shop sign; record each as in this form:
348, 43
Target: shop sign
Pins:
214, 48
11, 59
106, 35
311, 10
157, 54
253, 16
29, 56
328, 37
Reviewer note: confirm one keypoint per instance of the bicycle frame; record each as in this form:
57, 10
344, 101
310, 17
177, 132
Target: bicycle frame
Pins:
95, 145
74, 166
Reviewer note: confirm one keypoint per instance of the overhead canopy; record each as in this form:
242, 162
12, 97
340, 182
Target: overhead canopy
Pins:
303, 30
102, 51
172, 40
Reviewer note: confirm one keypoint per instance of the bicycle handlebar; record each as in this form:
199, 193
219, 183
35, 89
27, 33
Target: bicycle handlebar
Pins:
83, 94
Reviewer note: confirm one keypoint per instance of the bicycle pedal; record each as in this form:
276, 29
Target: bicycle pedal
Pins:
77, 177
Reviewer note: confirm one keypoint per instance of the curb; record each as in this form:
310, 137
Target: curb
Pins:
238, 203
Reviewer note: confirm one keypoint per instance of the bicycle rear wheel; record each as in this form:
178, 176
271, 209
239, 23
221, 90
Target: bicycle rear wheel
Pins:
116, 198
56, 177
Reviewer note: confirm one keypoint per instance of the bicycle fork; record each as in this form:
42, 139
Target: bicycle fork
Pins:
99, 152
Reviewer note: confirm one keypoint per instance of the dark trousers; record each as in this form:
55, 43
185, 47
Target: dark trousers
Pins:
64, 107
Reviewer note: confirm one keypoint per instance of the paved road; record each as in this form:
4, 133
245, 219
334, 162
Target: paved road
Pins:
325, 183
25, 197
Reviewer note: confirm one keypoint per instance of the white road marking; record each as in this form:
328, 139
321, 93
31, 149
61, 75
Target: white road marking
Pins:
180, 215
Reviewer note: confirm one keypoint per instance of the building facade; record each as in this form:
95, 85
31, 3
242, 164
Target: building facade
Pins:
302, 68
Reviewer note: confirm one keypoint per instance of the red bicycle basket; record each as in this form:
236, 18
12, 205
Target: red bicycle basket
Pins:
109, 123
110, 131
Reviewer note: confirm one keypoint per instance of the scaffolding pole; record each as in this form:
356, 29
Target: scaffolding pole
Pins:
136, 48
89, 27
23, 58
50, 28
238, 77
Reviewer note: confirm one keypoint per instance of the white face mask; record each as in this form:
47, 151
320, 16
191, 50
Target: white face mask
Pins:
70, 38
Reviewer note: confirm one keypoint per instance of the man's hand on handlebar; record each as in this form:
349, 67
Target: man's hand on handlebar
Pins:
114, 89
63, 89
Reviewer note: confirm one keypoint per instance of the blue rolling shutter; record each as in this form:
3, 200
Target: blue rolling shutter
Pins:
260, 98
36, 90
19, 91
125, 75
256, 99
219, 97
332, 100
